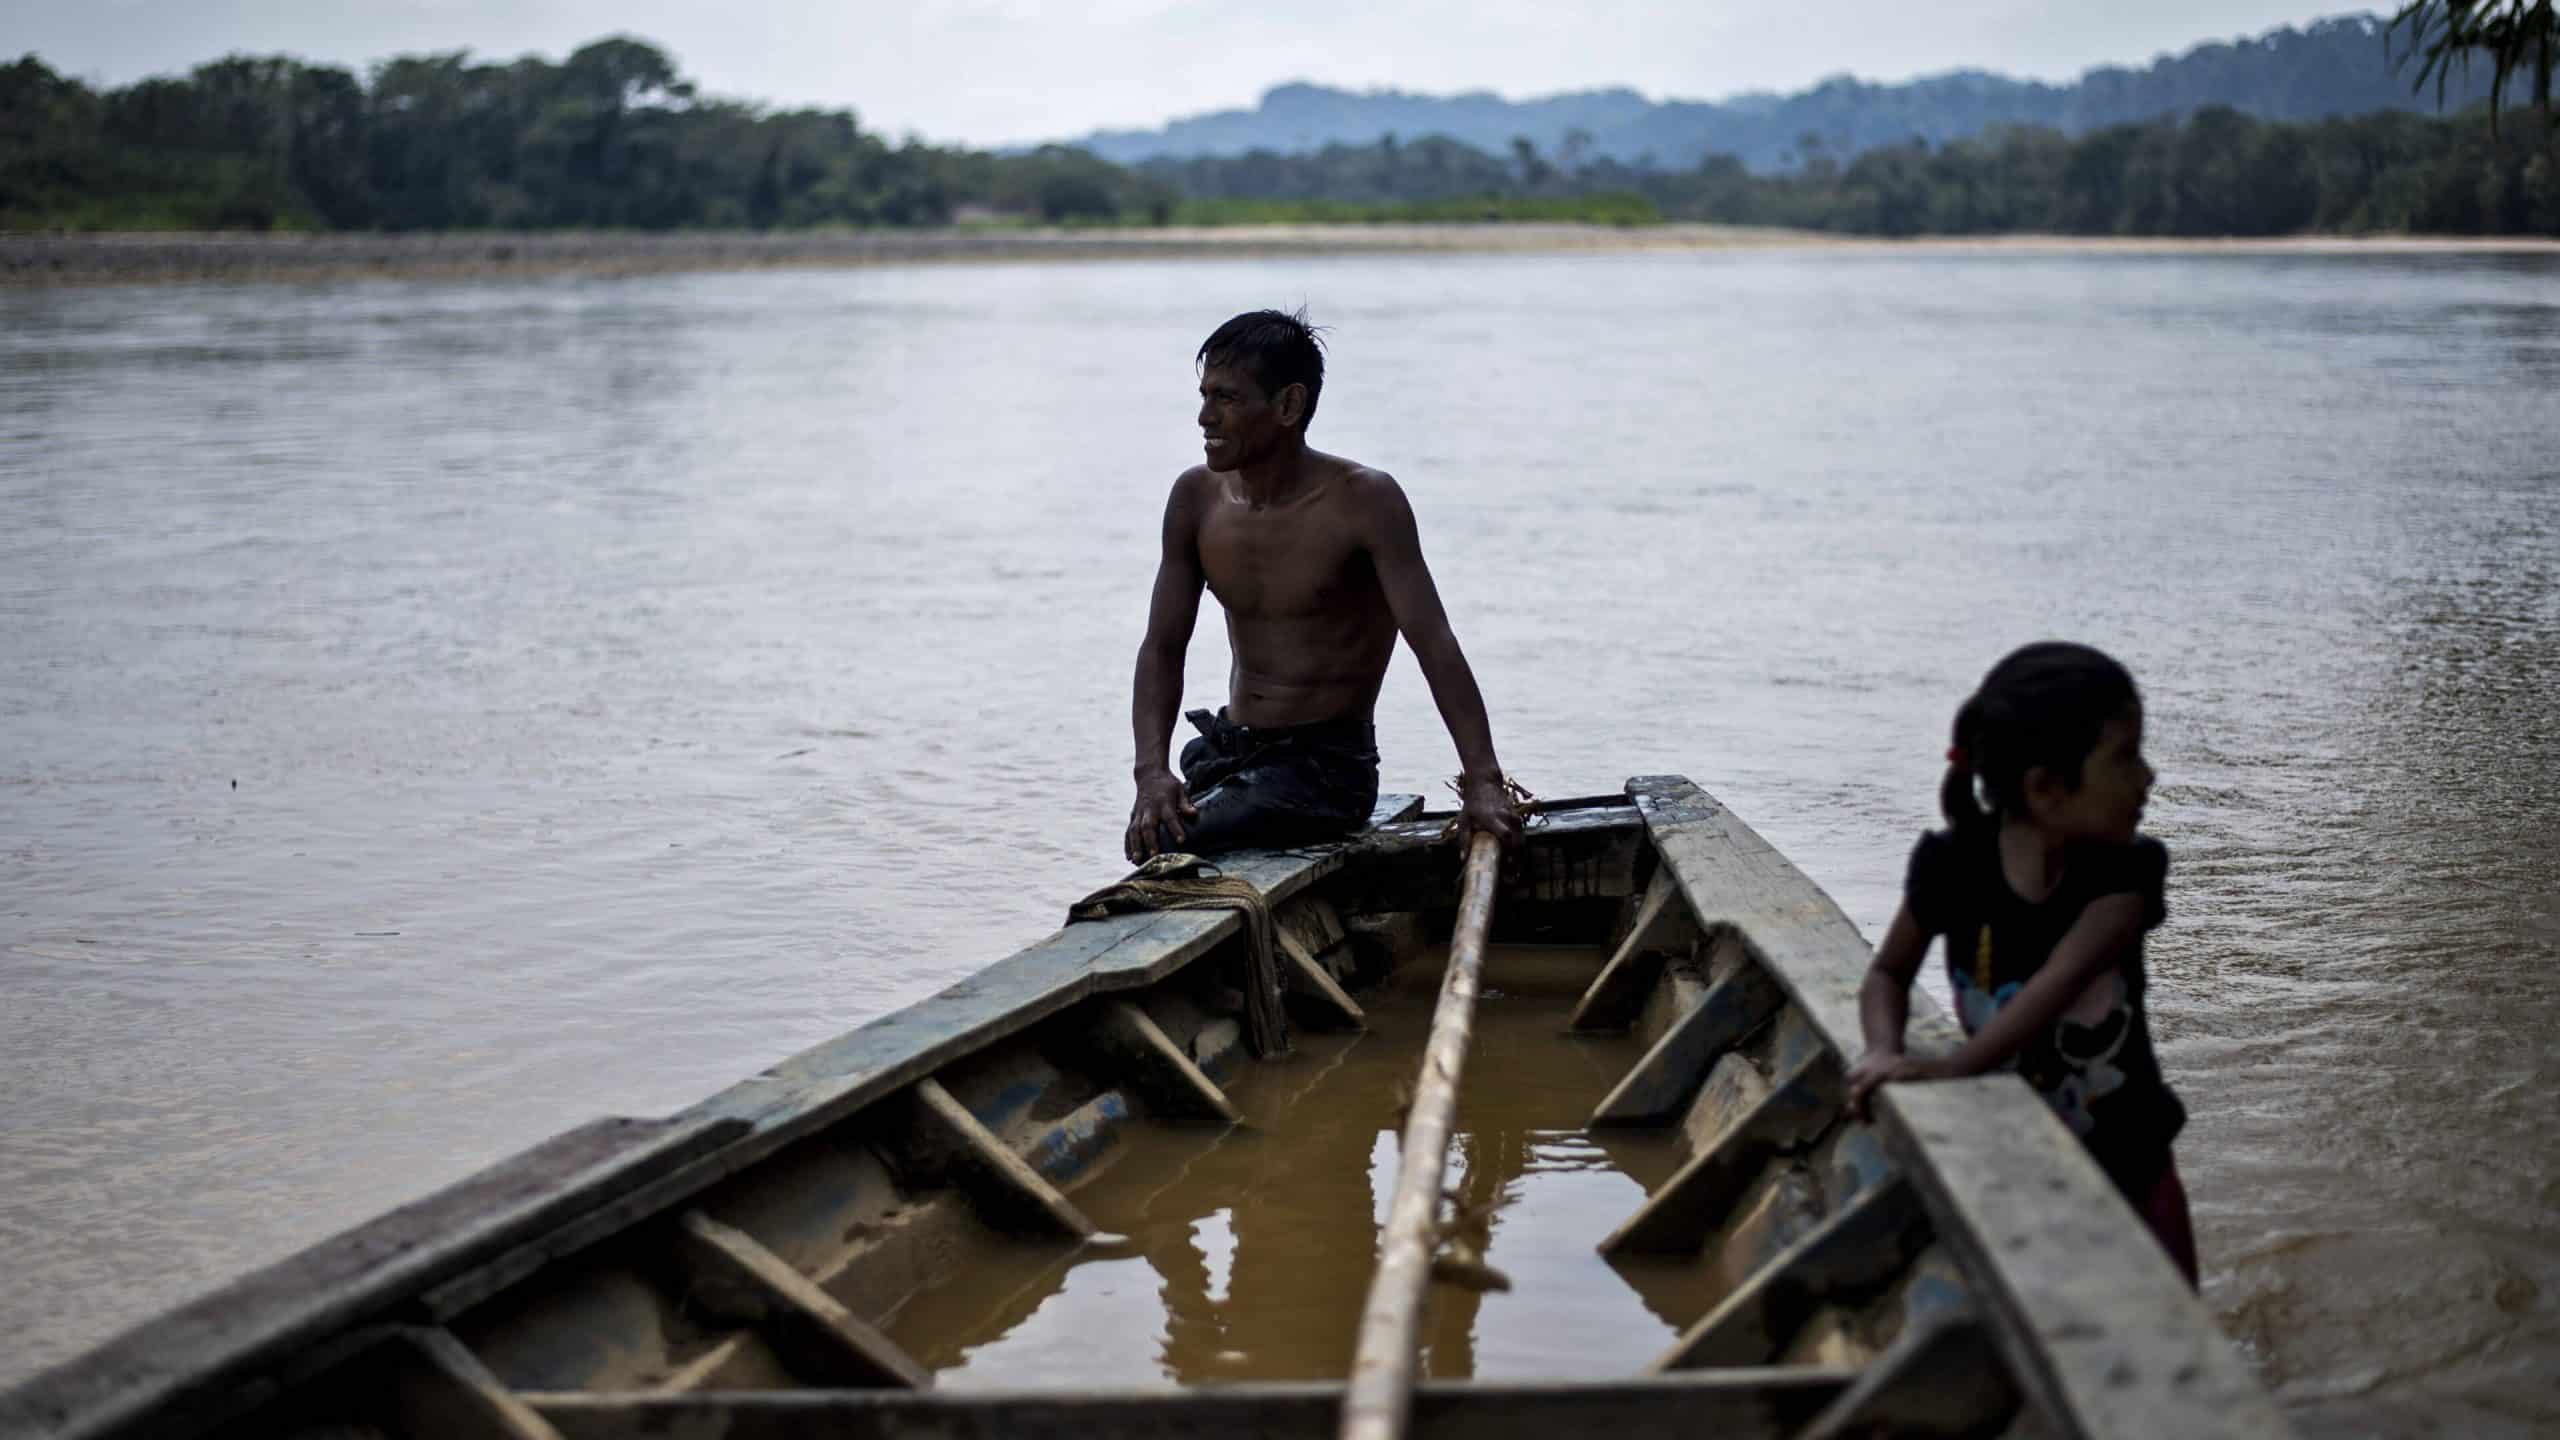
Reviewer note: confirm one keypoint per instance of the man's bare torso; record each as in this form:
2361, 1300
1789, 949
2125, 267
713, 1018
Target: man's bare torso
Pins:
1318, 564
1307, 621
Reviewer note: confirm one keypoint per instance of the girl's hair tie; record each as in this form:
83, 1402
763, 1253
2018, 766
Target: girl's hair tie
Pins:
1957, 758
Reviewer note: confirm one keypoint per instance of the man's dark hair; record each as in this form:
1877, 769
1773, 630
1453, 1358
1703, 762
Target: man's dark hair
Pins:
1279, 348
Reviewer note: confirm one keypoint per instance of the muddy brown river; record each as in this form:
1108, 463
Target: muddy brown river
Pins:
432, 715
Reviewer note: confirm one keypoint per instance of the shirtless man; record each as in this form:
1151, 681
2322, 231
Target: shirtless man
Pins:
1319, 567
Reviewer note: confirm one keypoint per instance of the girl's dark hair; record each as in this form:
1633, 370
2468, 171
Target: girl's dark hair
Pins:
2043, 705
1278, 347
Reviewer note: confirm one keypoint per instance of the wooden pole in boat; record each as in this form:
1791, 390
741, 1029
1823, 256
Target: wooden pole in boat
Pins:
1379, 1398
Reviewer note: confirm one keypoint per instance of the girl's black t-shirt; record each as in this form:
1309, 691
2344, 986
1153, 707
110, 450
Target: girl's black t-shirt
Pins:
2094, 1065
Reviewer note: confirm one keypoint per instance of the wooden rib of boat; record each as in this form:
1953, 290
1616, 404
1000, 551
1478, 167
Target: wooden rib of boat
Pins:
1957, 1266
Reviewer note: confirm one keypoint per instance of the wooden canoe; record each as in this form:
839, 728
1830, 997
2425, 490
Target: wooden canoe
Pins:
1956, 1267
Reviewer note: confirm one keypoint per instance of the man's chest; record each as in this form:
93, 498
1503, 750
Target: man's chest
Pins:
1263, 563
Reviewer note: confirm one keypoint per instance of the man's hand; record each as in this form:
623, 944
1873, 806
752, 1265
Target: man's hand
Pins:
1885, 1067
1160, 802
1486, 807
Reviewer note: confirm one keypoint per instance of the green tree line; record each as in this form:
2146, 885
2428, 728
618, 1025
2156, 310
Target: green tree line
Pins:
2216, 172
614, 136
611, 137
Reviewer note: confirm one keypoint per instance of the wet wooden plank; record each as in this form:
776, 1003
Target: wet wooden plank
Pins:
1831, 1335
1618, 991
1734, 880
1688, 1207
1858, 1249
232, 1349
1317, 924
1593, 846
818, 1340
2100, 1328
1746, 1403
1156, 1067
1946, 1382
436, 1389
1309, 979
1003, 1184
1422, 832
1658, 1086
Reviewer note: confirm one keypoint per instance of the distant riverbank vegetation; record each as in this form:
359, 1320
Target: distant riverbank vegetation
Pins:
615, 138
2215, 172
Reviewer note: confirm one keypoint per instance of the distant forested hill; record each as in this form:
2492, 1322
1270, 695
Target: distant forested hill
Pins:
2331, 67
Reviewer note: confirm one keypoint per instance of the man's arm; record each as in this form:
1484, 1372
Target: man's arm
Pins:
1395, 548
1156, 692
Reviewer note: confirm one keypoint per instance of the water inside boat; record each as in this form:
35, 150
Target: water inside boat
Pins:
1249, 1248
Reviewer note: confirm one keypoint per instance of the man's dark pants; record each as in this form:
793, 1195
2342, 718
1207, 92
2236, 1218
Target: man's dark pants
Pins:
1276, 785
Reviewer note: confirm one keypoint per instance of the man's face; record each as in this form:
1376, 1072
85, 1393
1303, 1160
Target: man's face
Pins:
1239, 423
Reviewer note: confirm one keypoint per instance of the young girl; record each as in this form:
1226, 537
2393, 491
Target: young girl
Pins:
2043, 900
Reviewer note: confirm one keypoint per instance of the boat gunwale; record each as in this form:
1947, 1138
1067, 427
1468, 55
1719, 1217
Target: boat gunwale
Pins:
1678, 1402
327, 1302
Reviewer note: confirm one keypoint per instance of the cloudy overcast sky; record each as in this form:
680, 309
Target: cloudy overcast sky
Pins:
991, 71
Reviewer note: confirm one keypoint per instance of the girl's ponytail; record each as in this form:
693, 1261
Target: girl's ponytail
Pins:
1955, 793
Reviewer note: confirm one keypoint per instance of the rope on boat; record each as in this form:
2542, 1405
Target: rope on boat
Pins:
1527, 806
1187, 882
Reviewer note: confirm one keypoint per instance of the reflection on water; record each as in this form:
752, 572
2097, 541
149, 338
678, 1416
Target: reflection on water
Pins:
1253, 1247
629, 682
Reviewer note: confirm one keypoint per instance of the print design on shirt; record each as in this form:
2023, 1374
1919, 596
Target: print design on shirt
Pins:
2079, 1067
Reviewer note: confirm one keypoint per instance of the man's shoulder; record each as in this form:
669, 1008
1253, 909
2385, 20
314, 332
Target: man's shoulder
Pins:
1193, 488
1353, 474
1365, 487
